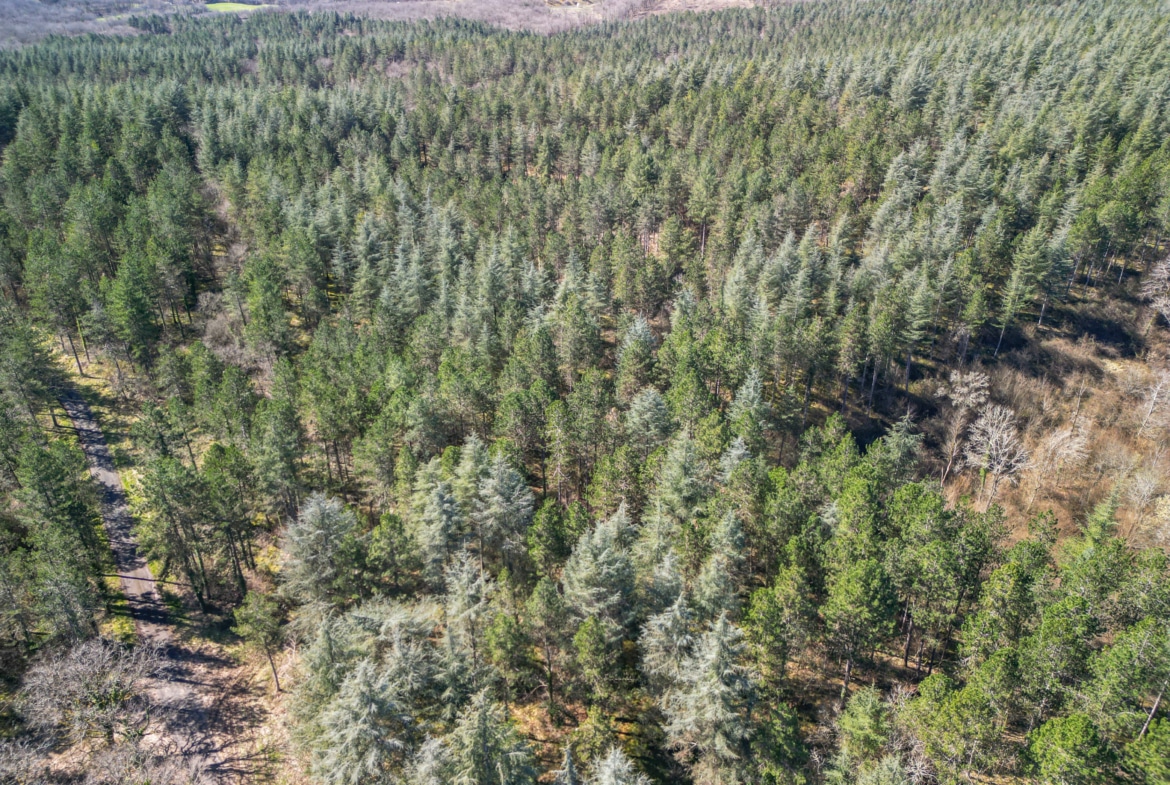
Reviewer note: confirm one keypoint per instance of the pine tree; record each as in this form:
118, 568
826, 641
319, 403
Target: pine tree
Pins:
1070, 751
616, 769
485, 748
321, 552
635, 359
647, 422
366, 730
599, 576
258, 623
858, 613
750, 415
438, 527
709, 716
503, 512
467, 603
681, 494
129, 300
474, 468
567, 774
547, 615
779, 622
666, 642
392, 552
1029, 266
718, 584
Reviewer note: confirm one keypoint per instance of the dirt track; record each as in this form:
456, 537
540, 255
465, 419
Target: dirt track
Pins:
203, 699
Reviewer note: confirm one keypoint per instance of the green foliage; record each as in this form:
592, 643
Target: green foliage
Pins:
258, 623
323, 553
1147, 756
485, 747
563, 324
858, 612
959, 727
709, 720
863, 727
1069, 750
365, 729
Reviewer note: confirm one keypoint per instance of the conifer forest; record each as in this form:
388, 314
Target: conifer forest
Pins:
775, 395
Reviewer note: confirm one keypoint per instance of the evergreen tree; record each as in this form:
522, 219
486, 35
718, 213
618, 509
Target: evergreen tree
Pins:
599, 575
718, 584
322, 551
666, 643
616, 769
503, 512
485, 747
858, 613
366, 730
567, 774
258, 624
710, 714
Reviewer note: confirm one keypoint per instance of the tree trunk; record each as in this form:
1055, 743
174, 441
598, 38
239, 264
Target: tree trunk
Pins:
550, 675
873, 384
76, 359
1153, 710
84, 345
1153, 404
240, 308
807, 396
271, 664
243, 585
845, 683
994, 489
1080, 394
1072, 278
947, 469
190, 452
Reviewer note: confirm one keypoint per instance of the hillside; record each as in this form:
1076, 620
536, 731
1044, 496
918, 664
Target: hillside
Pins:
766, 395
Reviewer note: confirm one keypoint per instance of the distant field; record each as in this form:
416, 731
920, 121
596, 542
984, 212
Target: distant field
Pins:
26, 21
234, 8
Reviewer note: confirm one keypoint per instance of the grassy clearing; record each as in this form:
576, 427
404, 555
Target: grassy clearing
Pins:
234, 8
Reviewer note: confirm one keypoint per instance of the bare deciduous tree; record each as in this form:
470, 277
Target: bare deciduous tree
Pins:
995, 449
1140, 492
966, 391
24, 760
95, 690
1156, 290
1159, 524
1157, 403
1060, 452
1113, 459
133, 763
93, 697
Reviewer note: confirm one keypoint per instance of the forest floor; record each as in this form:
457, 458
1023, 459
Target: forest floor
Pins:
208, 709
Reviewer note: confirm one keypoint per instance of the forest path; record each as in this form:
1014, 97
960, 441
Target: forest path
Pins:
206, 707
